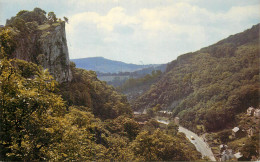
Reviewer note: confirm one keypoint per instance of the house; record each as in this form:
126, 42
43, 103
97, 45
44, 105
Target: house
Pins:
238, 155
250, 111
142, 123
165, 113
177, 120
136, 113
162, 112
227, 155
250, 132
257, 113
222, 147
238, 133
145, 111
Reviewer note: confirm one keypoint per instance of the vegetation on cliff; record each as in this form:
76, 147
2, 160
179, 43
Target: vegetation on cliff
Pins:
40, 39
86, 90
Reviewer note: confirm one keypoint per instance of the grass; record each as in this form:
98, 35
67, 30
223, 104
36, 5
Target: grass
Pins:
237, 144
47, 26
43, 27
200, 127
162, 118
215, 150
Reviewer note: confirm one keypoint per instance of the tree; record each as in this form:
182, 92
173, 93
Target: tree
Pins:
159, 146
20, 25
66, 19
20, 13
7, 42
172, 128
52, 18
28, 106
224, 136
39, 11
251, 147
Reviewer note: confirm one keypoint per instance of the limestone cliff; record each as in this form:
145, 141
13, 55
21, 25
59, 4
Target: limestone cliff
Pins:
47, 46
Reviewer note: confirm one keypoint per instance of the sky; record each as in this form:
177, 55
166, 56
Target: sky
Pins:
143, 31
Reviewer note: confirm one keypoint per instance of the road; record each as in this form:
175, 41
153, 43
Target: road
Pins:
198, 142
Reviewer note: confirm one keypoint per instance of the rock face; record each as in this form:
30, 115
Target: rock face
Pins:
47, 46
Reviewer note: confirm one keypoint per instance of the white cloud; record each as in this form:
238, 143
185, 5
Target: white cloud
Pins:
116, 16
151, 31
154, 34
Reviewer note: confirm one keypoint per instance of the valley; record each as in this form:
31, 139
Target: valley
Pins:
203, 106
207, 89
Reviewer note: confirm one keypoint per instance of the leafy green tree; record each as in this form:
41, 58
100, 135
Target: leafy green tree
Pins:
7, 42
251, 147
38, 11
20, 13
20, 25
224, 136
86, 90
123, 126
27, 104
172, 128
52, 18
159, 146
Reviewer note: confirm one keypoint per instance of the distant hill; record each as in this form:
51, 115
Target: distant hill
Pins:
117, 79
103, 65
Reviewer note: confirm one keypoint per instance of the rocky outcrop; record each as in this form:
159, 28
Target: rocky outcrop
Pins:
46, 46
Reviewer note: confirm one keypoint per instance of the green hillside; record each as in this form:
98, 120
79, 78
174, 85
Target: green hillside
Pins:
210, 86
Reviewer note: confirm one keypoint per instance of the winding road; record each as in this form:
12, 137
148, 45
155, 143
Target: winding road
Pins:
198, 142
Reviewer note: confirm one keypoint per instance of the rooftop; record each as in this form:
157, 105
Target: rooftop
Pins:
235, 129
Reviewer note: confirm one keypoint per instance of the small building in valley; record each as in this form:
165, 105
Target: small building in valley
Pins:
222, 147
250, 111
136, 113
227, 155
250, 132
238, 133
237, 156
142, 123
177, 120
257, 113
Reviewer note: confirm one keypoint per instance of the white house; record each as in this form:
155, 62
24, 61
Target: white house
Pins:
237, 132
257, 113
177, 120
250, 111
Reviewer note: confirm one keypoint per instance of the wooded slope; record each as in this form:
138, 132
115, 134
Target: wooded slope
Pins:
212, 85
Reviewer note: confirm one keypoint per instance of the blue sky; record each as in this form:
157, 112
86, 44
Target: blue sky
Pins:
143, 31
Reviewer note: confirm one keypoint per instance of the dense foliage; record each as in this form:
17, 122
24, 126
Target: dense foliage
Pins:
86, 90
36, 124
210, 86
89, 121
148, 79
158, 146
28, 108
135, 87
37, 15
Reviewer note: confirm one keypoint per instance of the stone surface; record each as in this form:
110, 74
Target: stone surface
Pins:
47, 46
